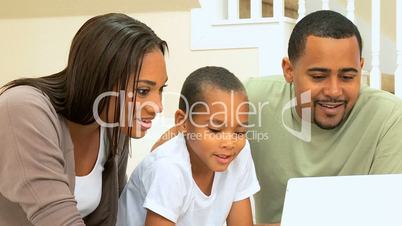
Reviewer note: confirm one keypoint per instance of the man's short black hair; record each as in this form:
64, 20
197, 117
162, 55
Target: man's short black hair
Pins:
194, 87
325, 24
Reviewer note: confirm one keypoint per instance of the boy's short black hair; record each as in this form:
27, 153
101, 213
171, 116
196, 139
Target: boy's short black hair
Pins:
193, 89
325, 24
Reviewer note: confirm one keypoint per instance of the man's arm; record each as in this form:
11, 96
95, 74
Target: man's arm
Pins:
154, 219
388, 157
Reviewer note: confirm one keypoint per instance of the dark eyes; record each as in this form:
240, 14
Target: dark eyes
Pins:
344, 77
347, 77
218, 131
318, 77
145, 91
142, 91
214, 130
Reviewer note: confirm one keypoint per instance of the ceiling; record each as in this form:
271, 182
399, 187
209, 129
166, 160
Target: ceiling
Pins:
56, 8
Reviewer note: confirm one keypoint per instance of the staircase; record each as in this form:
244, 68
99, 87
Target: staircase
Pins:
267, 9
266, 25
217, 25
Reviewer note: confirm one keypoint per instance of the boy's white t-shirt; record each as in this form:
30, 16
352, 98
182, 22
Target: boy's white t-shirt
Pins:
163, 183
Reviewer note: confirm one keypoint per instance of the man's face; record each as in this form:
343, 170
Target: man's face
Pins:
331, 70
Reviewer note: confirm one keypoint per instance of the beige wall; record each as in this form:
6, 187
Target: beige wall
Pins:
39, 46
57, 8
35, 47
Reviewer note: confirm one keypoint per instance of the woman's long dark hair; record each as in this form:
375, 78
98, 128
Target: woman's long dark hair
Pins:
106, 50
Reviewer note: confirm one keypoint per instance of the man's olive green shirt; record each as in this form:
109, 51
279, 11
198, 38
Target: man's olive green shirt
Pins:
369, 141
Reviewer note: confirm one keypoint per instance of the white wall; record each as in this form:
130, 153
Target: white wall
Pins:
52, 8
39, 46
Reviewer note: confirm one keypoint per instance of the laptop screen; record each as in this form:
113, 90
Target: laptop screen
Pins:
369, 200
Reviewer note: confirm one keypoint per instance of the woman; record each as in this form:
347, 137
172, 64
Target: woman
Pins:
58, 166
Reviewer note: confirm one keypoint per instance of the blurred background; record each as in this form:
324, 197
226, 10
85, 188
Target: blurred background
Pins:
248, 37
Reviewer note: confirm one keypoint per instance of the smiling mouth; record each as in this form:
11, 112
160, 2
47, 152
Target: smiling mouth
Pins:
223, 159
331, 105
145, 123
331, 108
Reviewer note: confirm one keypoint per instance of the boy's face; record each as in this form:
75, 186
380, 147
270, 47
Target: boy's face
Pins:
216, 132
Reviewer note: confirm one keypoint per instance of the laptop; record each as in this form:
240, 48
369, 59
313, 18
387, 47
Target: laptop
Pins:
369, 200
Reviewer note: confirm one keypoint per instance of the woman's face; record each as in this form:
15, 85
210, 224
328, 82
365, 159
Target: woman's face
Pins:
137, 118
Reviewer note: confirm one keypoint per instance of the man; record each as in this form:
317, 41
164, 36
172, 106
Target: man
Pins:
337, 127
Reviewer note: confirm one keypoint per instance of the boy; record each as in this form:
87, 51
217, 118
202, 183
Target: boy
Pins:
205, 175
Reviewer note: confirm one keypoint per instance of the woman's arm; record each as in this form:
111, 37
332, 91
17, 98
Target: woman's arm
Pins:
32, 163
154, 219
240, 214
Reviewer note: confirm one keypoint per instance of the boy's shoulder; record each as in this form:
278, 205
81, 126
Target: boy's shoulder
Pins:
172, 156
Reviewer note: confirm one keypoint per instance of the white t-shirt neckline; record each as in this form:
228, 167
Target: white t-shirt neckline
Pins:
213, 189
